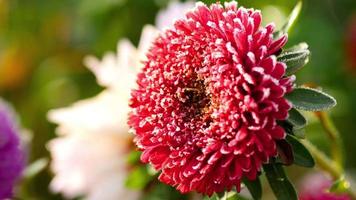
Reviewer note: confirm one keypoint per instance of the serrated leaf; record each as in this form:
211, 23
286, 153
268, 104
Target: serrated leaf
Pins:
281, 186
310, 99
296, 119
302, 157
295, 58
290, 20
254, 187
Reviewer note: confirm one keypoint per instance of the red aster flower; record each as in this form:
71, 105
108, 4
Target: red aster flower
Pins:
208, 99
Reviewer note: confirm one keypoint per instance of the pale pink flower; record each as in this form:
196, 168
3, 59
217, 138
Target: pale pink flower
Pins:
175, 10
89, 159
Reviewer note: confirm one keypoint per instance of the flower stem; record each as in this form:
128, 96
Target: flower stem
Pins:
334, 136
328, 165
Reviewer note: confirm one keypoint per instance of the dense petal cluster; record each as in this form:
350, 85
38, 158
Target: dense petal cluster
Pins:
209, 97
11, 156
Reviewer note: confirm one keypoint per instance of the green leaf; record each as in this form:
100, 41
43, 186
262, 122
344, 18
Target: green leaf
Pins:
340, 186
295, 58
35, 168
232, 195
138, 178
161, 191
288, 127
291, 20
285, 153
296, 119
281, 186
254, 187
310, 99
133, 157
214, 197
299, 133
302, 157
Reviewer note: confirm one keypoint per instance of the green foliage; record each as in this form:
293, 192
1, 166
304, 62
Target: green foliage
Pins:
291, 20
161, 191
138, 178
285, 153
296, 119
254, 187
134, 157
35, 168
340, 186
301, 155
279, 182
295, 58
310, 99
213, 197
232, 195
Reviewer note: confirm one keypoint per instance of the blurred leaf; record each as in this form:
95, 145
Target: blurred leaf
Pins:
281, 186
133, 157
302, 157
299, 133
291, 20
90, 7
295, 58
254, 187
232, 195
138, 178
213, 197
151, 170
162, 191
296, 119
310, 99
35, 168
340, 186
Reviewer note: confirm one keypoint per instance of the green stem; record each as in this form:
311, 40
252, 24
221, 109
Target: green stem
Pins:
328, 165
323, 161
334, 136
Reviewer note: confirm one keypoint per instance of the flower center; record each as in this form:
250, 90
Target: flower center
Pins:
197, 101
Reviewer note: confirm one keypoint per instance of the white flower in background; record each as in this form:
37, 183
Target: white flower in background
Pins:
89, 157
175, 10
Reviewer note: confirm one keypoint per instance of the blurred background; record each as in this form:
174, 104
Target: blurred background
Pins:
42, 45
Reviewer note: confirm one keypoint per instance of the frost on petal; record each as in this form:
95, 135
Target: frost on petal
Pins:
208, 99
